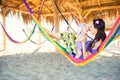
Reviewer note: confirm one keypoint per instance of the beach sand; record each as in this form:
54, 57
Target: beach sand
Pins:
54, 66
44, 63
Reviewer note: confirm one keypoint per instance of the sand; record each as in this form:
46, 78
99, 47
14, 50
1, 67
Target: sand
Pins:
44, 63
53, 66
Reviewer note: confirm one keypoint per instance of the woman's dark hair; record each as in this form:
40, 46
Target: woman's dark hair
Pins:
99, 24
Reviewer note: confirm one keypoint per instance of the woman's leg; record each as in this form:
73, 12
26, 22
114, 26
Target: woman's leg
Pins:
53, 34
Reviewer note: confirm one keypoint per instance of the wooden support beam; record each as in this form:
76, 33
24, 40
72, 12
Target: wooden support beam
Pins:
67, 13
98, 2
47, 8
71, 6
80, 11
43, 14
103, 8
4, 35
87, 14
36, 7
100, 8
56, 20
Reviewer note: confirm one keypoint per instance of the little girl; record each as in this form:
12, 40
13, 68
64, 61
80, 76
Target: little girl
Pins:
83, 32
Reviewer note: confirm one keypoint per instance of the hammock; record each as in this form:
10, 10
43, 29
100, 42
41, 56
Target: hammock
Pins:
33, 32
28, 36
113, 33
15, 41
40, 11
117, 36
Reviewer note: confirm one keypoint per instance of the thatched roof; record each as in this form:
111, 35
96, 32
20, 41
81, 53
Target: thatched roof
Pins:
82, 10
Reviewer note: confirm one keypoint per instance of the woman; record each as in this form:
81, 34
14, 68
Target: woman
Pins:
88, 47
91, 47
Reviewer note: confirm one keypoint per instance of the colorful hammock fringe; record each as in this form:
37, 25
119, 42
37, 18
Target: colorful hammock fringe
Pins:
113, 33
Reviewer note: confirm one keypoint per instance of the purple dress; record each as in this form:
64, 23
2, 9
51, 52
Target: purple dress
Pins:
79, 48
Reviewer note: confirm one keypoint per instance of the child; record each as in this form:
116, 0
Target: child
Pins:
81, 32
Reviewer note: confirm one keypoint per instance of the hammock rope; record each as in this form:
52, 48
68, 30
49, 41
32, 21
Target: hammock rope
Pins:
73, 16
44, 33
69, 26
68, 22
13, 40
62, 50
64, 18
34, 41
40, 11
28, 36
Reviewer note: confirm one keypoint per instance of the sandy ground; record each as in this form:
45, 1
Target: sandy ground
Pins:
44, 63
53, 66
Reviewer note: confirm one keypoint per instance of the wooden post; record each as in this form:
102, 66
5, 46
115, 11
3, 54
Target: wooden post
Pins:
4, 35
56, 19
56, 23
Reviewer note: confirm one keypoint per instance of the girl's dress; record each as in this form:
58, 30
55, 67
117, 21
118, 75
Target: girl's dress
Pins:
71, 46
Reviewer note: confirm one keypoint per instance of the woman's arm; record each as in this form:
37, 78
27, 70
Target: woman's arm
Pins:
85, 53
